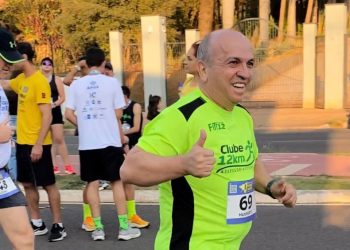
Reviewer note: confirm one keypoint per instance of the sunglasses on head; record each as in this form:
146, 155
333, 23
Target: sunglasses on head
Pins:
46, 63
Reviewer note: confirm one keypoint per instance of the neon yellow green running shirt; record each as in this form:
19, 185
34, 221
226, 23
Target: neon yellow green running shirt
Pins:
212, 213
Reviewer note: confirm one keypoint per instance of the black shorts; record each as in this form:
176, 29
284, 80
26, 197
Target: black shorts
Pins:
57, 117
15, 200
39, 173
101, 164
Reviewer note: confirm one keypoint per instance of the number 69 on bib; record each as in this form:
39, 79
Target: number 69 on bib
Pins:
241, 206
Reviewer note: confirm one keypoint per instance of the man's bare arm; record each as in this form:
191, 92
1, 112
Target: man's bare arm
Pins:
70, 116
46, 118
5, 84
146, 169
68, 79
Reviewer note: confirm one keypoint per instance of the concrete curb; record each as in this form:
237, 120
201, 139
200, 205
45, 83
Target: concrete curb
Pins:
311, 197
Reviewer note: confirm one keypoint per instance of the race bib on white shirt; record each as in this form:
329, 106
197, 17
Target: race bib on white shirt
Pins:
241, 206
7, 186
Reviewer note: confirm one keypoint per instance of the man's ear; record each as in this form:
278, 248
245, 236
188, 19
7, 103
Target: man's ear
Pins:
202, 71
25, 56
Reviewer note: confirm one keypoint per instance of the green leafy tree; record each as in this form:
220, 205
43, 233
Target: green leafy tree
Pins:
87, 22
35, 20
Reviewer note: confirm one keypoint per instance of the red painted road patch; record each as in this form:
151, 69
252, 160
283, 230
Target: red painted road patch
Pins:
314, 164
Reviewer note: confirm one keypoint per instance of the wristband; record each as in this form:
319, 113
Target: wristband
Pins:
268, 187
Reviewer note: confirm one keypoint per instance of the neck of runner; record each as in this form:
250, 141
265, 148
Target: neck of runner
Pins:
94, 72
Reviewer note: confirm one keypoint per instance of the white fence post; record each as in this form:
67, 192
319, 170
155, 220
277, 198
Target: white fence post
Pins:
309, 64
154, 56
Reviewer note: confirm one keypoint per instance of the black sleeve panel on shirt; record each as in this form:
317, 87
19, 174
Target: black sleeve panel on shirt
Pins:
239, 105
188, 109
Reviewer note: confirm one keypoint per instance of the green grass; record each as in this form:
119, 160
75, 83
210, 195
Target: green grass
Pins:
73, 182
319, 182
300, 182
69, 182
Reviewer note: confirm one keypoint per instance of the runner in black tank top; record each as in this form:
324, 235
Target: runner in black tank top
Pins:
128, 122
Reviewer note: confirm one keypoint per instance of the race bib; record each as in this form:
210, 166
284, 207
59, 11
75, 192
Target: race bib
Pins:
241, 206
7, 186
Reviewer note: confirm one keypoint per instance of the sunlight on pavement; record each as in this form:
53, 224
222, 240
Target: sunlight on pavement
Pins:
336, 216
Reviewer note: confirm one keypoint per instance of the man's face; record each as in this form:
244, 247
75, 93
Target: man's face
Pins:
4, 69
84, 68
229, 69
108, 72
190, 62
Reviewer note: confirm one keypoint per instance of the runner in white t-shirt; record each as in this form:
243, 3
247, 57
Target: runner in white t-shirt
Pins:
95, 105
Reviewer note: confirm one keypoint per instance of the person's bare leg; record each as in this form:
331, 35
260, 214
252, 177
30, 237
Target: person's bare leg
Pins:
129, 191
58, 140
54, 154
93, 198
32, 197
119, 196
15, 223
55, 202
85, 199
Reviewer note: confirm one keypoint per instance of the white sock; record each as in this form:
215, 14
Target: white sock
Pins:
60, 224
37, 222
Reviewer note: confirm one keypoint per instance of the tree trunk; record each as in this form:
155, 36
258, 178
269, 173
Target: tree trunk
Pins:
309, 11
206, 17
264, 14
315, 13
228, 11
291, 29
281, 20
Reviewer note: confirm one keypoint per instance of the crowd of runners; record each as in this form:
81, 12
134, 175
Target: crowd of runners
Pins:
207, 174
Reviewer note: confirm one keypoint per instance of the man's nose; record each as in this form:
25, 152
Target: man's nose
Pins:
244, 72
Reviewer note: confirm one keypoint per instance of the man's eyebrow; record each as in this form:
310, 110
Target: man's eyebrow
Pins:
239, 58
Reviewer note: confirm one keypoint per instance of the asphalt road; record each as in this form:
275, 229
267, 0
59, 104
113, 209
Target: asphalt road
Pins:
276, 228
305, 141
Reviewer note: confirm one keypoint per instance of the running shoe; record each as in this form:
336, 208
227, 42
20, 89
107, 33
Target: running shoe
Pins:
69, 169
98, 234
129, 233
39, 230
56, 170
136, 221
103, 185
88, 224
57, 233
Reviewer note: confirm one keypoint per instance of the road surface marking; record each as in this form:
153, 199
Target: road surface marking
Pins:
290, 169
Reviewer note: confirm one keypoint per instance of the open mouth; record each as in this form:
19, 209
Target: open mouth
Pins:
239, 85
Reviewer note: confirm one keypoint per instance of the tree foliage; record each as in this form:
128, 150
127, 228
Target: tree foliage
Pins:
74, 25
87, 22
35, 20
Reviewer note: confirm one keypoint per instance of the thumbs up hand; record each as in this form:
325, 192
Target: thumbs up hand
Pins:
200, 161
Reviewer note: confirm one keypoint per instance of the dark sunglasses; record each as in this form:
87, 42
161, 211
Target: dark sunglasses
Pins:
46, 63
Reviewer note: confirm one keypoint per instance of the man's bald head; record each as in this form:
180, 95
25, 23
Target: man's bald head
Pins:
218, 39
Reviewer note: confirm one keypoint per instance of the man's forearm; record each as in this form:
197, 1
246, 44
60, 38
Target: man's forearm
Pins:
45, 127
145, 169
68, 79
72, 118
261, 177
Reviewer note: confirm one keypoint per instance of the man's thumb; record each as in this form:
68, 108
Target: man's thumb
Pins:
202, 138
